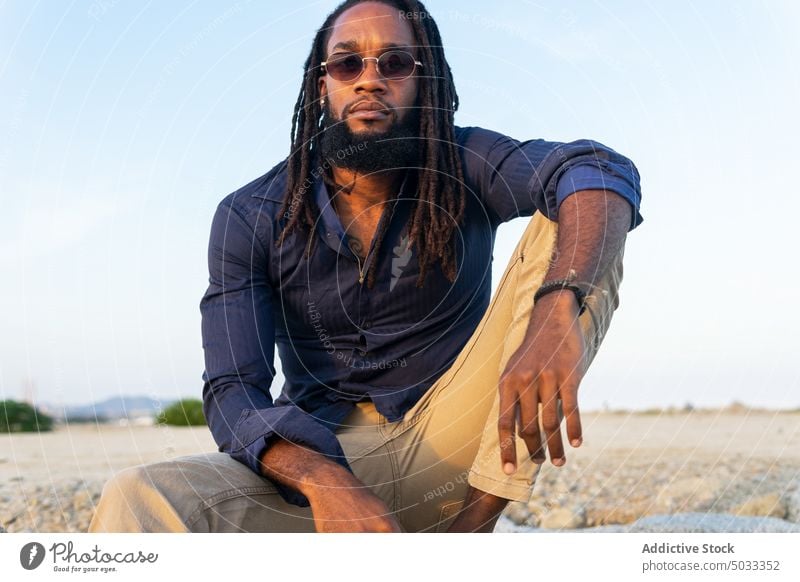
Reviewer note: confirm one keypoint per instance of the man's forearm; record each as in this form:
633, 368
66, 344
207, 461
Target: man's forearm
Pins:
592, 226
302, 469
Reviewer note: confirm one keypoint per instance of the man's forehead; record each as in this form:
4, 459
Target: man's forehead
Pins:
370, 25
355, 46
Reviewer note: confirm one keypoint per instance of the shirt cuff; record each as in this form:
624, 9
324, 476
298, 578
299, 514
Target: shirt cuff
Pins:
256, 430
592, 177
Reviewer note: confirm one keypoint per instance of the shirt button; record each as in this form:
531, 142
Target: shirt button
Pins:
367, 324
362, 343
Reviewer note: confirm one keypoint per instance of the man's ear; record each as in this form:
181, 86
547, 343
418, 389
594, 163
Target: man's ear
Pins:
323, 88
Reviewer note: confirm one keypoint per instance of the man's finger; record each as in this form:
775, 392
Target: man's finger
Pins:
529, 420
551, 423
505, 426
569, 402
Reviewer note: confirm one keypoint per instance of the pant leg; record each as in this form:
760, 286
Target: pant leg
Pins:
215, 493
199, 493
450, 437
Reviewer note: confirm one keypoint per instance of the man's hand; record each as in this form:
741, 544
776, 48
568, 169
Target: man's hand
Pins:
339, 501
546, 368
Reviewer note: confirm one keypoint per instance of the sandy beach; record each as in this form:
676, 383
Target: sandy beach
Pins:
630, 466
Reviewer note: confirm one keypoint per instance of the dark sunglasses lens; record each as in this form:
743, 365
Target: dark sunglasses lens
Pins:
396, 65
344, 67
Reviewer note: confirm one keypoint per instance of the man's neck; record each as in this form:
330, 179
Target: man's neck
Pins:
361, 201
364, 191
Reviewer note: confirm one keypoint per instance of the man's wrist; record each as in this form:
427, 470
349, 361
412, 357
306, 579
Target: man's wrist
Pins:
559, 287
559, 299
301, 468
324, 477
479, 512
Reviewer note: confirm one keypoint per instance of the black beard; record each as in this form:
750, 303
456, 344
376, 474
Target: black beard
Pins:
368, 152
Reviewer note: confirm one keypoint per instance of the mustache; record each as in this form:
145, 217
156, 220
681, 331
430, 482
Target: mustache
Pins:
348, 108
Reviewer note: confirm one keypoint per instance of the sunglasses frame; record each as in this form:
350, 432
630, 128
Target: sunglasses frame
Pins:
323, 65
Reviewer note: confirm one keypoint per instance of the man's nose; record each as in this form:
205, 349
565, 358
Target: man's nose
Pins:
370, 79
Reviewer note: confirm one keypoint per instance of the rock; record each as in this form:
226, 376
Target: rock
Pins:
617, 514
82, 499
517, 513
533, 521
710, 523
505, 525
792, 501
563, 518
692, 494
604, 529
536, 510
678, 523
767, 505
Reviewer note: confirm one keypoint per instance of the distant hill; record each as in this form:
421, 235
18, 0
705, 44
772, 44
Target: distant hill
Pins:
129, 407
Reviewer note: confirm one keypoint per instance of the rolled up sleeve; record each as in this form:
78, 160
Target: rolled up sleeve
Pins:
515, 178
239, 344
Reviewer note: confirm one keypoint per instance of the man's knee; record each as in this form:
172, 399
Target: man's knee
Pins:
132, 502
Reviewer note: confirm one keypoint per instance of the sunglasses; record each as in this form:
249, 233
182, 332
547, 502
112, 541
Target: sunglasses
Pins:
392, 65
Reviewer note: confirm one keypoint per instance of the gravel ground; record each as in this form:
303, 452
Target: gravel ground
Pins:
631, 468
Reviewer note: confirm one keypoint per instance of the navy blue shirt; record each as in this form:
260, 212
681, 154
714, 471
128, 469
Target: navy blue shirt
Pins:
340, 341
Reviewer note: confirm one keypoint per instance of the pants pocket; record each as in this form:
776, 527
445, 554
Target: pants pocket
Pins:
448, 514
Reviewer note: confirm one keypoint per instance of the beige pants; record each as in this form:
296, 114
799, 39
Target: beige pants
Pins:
420, 466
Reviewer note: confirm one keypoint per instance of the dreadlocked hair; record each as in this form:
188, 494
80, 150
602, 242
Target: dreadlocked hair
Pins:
439, 206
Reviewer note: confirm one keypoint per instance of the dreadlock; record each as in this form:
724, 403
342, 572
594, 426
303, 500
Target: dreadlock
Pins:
439, 206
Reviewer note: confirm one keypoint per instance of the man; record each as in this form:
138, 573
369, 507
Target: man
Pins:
411, 402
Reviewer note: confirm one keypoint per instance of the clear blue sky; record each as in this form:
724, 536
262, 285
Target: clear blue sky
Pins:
123, 124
